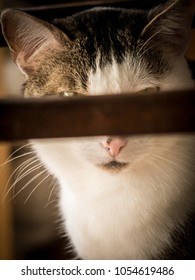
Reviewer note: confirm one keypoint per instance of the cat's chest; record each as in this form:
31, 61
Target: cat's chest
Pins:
108, 223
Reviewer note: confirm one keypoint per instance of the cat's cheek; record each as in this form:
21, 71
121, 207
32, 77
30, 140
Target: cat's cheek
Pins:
96, 154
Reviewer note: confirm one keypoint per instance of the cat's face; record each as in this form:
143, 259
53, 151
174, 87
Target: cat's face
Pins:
103, 51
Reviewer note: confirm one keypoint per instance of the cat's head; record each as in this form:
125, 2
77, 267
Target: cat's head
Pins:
103, 51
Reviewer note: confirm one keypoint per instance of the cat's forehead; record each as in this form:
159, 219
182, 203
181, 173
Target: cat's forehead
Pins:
106, 55
104, 35
104, 32
98, 20
107, 51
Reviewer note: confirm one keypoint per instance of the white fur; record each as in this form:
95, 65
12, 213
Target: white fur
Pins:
118, 78
128, 214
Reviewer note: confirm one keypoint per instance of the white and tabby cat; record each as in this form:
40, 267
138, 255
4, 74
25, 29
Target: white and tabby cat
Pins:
120, 198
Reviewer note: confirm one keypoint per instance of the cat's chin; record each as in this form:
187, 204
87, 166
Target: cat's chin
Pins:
113, 166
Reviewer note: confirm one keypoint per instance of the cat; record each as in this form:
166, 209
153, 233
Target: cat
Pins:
120, 197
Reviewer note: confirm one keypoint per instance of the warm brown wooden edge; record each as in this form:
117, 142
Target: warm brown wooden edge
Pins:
97, 115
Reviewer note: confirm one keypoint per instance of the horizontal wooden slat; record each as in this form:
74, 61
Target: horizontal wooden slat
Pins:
97, 115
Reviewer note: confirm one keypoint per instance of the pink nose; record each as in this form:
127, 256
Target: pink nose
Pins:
114, 145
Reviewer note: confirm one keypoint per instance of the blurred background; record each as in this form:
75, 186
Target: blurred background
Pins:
29, 220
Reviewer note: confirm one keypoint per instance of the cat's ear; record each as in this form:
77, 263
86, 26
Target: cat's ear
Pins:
28, 38
170, 25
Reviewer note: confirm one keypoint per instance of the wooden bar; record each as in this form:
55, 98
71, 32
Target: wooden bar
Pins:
97, 115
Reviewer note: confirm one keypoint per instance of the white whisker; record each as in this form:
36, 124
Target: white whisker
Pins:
16, 173
21, 174
29, 170
28, 183
17, 157
25, 166
36, 187
11, 155
179, 167
146, 42
51, 192
20, 178
49, 203
174, 155
157, 166
11, 177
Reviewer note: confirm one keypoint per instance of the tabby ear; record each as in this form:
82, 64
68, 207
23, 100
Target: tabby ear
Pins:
170, 25
28, 38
